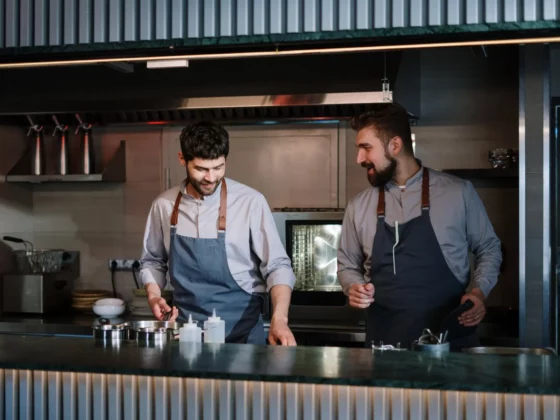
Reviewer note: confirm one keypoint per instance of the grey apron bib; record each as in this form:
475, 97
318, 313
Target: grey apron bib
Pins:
423, 290
202, 281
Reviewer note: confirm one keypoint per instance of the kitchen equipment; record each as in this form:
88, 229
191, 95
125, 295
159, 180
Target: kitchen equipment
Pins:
511, 351
190, 332
153, 332
154, 335
87, 153
84, 300
61, 147
31, 261
431, 343
37, 148
108, 311
41, 293
317, 301
503, 158
110, 332
214, 329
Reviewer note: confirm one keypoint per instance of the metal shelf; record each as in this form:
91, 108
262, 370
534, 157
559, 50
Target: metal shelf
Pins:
484, 173
115, 171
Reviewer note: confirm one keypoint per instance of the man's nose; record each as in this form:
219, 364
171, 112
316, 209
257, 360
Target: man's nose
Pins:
361, 157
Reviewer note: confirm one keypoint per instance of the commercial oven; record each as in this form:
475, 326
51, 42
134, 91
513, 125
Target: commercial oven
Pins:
311, 238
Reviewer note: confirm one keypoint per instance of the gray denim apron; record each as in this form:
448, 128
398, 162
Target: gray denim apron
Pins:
423, 290
202, 281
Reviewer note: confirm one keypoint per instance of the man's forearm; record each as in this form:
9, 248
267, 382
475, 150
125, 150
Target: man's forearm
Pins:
280, 296
153, 290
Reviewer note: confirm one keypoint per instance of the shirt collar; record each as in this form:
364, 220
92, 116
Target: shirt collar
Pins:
414, 179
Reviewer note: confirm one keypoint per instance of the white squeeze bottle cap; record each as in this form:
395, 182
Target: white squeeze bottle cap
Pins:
190, 331
214, 329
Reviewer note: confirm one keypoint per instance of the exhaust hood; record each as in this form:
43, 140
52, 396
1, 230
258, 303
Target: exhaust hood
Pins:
225, 109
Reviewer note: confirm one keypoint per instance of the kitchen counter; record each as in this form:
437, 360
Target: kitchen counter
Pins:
318, 365
76, 378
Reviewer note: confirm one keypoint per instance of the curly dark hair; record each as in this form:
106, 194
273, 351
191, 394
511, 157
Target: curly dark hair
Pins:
388, 120
204, 140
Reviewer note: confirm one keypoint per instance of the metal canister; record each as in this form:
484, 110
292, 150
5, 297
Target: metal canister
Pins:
37, 148
436, 349
113, 333
87, 154
62, 147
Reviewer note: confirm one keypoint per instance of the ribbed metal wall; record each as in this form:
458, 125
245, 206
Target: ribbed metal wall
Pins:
84, 396
25, 23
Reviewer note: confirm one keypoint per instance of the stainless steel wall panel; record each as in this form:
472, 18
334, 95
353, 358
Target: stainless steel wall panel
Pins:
178, 18
28, 23
261, 24
294, 16
101, 26
85, 19
163, 19
40, 15
40, 395
25, 23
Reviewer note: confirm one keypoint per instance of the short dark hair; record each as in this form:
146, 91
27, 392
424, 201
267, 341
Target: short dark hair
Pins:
388, 120
204, 140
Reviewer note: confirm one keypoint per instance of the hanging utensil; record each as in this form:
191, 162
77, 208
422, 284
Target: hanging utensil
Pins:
86, 152
37, 148
62, 147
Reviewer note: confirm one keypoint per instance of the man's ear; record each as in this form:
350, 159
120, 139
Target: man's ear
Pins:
182, 159
395, 146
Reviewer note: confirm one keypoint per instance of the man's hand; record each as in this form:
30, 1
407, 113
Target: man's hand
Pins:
476, 314
280, 333
361, 295
158, 305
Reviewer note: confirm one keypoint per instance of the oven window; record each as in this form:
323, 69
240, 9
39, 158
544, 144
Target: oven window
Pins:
313, 246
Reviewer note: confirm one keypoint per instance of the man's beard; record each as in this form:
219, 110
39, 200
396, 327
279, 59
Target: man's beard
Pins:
198, 186
381, 177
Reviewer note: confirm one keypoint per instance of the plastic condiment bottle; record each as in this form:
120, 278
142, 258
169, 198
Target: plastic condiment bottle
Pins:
214, 329
190, 332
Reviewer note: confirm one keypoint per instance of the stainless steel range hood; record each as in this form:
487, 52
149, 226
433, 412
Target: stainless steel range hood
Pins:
230, 109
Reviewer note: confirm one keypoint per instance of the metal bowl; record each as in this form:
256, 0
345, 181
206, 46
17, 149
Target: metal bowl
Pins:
109, 332
510, 351
136, 327
154, 335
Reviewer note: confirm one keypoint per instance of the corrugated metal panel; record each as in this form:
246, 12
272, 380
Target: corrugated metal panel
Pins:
85, 396
25, 23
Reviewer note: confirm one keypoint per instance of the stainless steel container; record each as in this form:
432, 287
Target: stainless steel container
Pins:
86, 148
62, 147
154, 335
511, 351
436, 349
110, 332
37, 148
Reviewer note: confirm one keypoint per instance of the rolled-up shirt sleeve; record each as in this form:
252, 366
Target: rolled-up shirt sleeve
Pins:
350, 253
153, 264
275, 266
482, 241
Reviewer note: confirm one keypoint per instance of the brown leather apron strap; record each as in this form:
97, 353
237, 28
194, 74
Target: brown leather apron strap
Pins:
223, 207
381, 202
222, 212
175, 214
425, 195
426, 189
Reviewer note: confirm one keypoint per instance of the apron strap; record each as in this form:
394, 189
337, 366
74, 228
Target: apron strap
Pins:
221, 214
425, 194
426, 189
